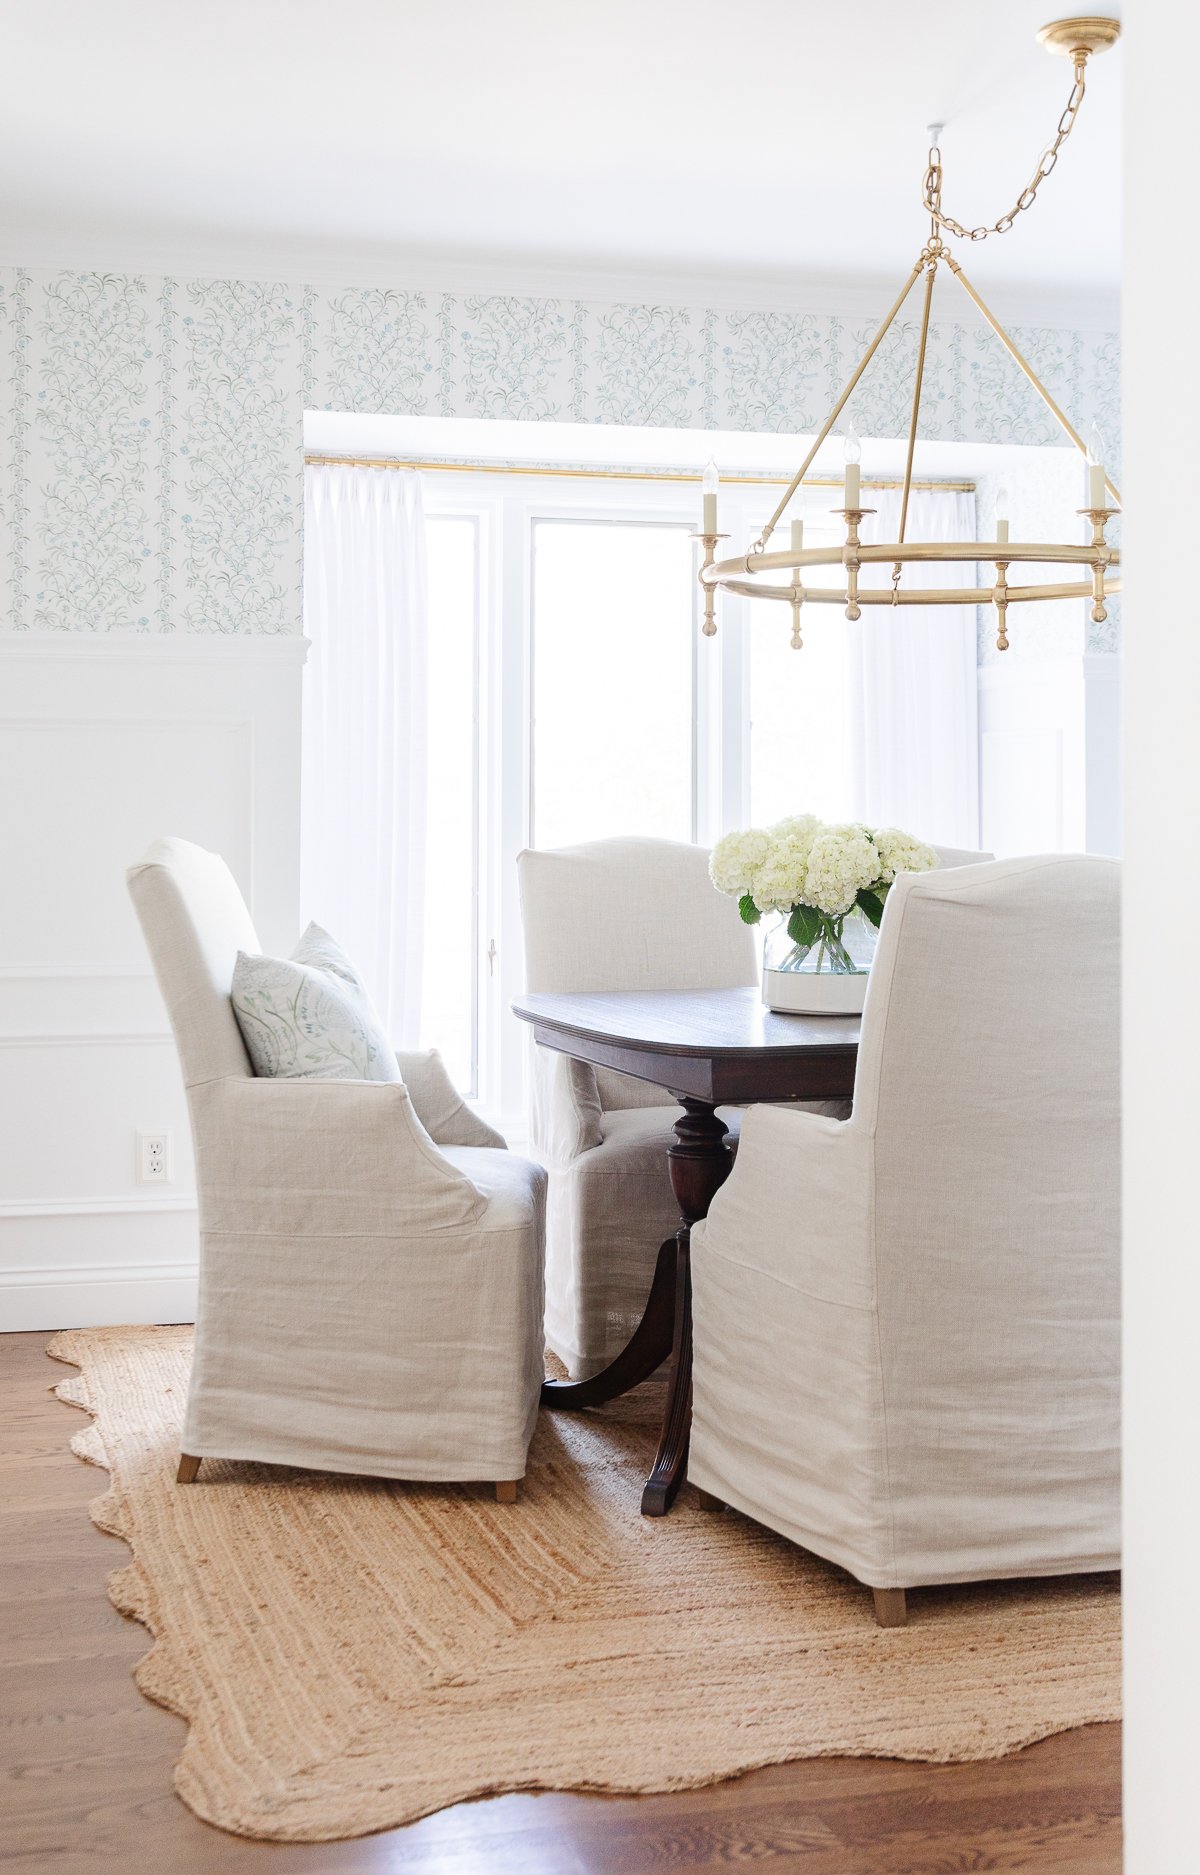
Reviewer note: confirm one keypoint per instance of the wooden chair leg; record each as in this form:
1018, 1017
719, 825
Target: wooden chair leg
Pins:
891, 1610
708, 1501
506, 1490
188, 1467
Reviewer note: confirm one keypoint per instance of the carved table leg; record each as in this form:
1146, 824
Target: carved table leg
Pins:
700, 1163
645, 1351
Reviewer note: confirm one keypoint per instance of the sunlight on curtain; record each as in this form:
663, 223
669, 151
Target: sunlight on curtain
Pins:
612, 681
365, 725
799, 737
912, 705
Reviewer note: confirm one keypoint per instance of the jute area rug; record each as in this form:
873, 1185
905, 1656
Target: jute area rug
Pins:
353, 1653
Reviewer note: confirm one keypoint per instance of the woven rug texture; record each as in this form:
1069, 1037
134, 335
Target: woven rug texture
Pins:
351, 1654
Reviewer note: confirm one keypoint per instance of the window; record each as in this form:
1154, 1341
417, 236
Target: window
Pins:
612, 650
570, 696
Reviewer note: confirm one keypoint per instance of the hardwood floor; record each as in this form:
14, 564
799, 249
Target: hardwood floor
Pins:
85, 1761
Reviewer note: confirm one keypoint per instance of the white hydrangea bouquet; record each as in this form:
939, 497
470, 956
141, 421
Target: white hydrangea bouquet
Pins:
828, 883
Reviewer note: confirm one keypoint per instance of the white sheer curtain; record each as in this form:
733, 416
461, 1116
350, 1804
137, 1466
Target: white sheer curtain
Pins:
363, 818
913, 687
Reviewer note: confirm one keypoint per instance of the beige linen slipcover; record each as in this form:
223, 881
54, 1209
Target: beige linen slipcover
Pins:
906, 1325
624, 914
371, 1278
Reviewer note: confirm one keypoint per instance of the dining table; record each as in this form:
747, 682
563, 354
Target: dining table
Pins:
707, 1048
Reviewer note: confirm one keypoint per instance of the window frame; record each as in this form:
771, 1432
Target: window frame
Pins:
507, 508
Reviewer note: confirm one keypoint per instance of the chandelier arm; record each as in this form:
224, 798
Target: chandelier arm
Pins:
1063, 421
786, 560
752, 589
926, 596
836, 412
930, 276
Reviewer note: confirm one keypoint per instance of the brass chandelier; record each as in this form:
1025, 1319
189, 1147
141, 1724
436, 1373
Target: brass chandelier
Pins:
1077, 39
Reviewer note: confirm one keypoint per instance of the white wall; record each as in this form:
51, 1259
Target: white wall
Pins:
106, 743
1162, 916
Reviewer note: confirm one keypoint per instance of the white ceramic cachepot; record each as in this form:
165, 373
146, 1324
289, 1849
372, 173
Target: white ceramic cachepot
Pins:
814, 982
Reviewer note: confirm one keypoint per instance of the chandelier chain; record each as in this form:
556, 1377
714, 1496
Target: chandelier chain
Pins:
931, 191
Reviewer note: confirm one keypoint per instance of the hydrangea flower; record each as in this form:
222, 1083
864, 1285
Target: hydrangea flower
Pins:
843, 862
900, 852
735, 860
814, 873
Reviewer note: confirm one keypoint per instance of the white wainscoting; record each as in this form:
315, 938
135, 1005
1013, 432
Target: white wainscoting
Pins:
105, 744
1049, 755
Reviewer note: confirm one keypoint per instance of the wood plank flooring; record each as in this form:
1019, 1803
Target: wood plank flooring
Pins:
85, 1761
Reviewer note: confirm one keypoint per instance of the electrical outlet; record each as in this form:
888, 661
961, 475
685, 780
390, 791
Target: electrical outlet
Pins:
153, 1158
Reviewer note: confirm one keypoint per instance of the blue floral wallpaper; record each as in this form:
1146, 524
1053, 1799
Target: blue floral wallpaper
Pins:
151, 428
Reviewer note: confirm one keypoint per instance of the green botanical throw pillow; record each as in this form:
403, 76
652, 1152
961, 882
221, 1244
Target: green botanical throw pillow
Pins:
308, 1017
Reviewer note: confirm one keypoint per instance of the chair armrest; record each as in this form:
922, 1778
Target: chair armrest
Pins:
565, 1119
798, 1204
322, 1159
438, 1104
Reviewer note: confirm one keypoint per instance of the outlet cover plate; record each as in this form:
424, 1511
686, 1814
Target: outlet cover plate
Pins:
153, 1158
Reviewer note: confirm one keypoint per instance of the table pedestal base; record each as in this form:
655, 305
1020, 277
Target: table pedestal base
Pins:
700, 1163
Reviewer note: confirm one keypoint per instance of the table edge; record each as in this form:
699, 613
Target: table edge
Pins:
690, 1050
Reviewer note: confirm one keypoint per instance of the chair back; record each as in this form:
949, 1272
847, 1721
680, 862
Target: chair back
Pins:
630, 914
988, 1074
195, 921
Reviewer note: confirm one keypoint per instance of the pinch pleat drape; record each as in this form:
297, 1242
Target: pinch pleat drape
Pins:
365, 722
913, 684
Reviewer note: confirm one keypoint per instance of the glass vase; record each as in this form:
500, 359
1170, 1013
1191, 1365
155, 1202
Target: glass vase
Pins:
843, 947
828, 976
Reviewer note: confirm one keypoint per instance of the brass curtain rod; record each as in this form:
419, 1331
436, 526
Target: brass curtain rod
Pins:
613, 475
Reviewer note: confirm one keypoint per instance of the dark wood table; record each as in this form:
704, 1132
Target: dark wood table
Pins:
708, 1048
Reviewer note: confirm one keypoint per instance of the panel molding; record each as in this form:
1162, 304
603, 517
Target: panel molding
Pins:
154, 648
33, 971
132, 1204
87, 1038
127, 737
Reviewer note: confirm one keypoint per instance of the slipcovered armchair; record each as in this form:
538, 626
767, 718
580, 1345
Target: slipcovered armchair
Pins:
906, 1325
371, 1257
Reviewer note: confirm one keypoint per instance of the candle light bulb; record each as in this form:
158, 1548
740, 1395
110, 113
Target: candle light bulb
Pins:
1097, 493
1002, 513
710, 481
853, 458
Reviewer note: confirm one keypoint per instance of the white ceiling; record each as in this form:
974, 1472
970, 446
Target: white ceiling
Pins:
766, 142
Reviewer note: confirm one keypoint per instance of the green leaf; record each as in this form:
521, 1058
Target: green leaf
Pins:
749, 910
871, 905
804, 925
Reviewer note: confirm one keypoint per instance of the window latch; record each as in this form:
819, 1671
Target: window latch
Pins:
492, 954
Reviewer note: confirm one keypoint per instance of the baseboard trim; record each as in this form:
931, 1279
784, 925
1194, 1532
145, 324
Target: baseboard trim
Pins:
39, 1277
87, 1296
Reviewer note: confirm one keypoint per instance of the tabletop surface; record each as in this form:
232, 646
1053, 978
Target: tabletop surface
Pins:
711, 1024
